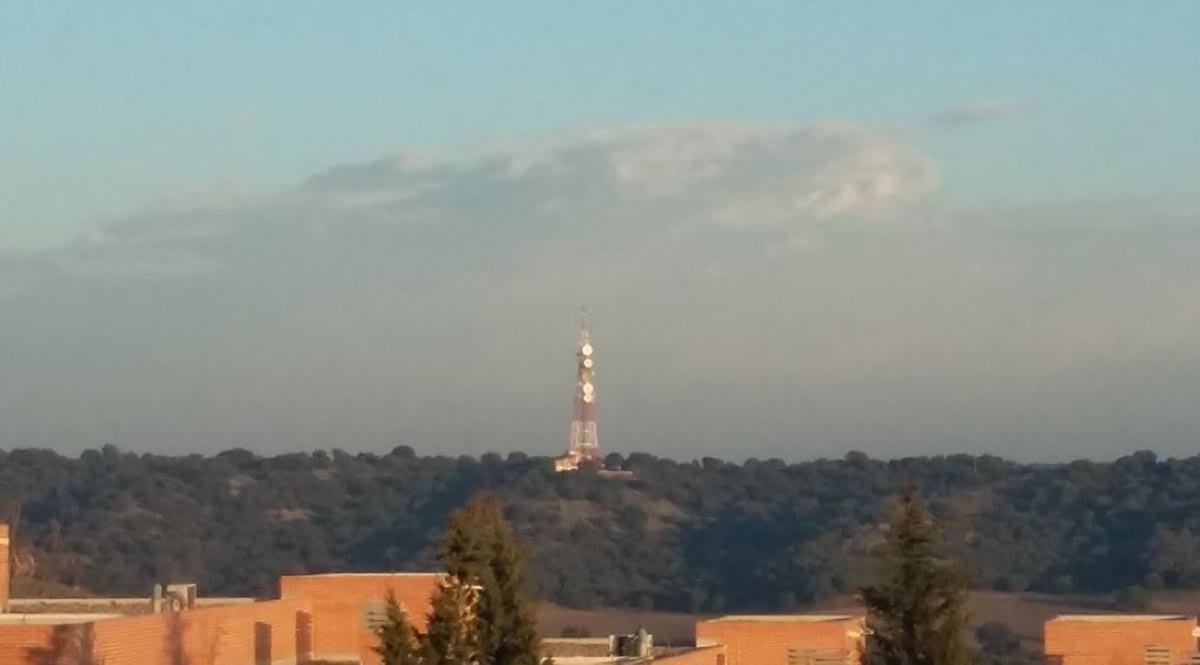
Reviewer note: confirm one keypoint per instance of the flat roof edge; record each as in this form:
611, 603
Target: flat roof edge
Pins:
792, 618
1098, 618
325, 575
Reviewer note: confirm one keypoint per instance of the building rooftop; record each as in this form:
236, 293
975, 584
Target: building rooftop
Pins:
560, 648
1123, 617
10, 619
102, 607
370, 574
593, 659
659, 653
797, 618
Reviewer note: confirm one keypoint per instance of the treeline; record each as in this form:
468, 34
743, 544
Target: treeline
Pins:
695, 536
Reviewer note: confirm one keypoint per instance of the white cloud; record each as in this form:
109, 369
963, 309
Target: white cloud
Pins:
799, 174
682, 178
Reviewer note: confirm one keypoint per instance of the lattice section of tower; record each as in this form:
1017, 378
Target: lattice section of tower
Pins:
583, 446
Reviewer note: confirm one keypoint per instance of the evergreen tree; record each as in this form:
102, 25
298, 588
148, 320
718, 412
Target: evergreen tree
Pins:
397, 640
480, 550
452, 638
916, 614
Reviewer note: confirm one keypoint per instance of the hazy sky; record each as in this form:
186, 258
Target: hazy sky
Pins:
799, 228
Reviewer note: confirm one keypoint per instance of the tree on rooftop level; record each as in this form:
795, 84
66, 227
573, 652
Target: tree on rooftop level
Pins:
480, 551
452, 638
916, 613
397, 640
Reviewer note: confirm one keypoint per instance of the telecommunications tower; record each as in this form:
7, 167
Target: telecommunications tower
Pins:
583, 446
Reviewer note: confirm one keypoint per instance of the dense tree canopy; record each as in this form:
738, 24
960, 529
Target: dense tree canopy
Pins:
705, 535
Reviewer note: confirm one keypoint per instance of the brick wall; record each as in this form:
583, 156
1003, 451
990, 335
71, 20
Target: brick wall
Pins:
17, 642
268, 633
5, 567
1119, 640
766, 640
341, 602
258, 633
320, 617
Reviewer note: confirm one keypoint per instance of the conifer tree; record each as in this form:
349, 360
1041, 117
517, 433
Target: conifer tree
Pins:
916, 614
452, 637
398, 643
480, 550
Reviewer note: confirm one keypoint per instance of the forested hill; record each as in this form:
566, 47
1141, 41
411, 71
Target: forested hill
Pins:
699, 536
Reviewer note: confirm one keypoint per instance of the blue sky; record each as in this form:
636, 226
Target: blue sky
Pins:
107, 105
801, 228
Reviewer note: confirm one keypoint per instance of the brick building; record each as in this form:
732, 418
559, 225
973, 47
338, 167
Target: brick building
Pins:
319, 618
633, 649
345, 606
328, 618
796, 639
5, 563
1121, 639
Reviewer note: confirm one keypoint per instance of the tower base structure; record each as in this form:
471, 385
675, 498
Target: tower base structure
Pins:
575, 459
568, 463
583, 445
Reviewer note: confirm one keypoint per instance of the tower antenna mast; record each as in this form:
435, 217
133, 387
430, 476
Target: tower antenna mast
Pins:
583, 445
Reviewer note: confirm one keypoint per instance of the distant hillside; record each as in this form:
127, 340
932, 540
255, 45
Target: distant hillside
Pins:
703, 536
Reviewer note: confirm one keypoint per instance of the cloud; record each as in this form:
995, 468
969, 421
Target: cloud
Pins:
685, 180
975, 113
790, 291
798, 174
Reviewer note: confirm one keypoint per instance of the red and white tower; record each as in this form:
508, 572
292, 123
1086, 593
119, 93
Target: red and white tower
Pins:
584, 446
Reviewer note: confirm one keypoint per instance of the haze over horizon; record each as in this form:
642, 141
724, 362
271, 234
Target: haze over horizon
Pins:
798, 229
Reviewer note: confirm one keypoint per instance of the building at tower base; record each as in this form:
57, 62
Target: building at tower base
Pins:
572, 462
